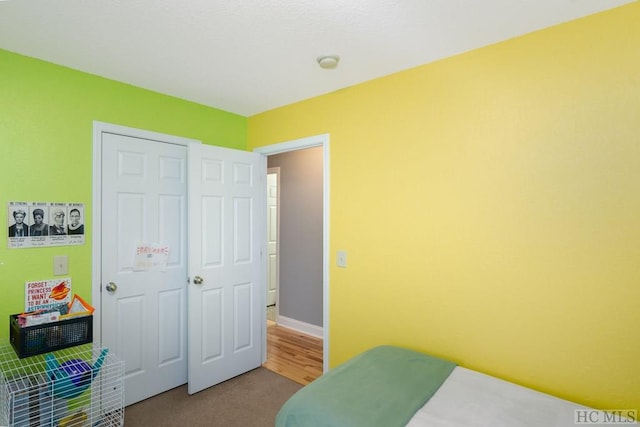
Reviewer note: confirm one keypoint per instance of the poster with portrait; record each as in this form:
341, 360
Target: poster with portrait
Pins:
39, 228
39, 224
75, 225
18, 226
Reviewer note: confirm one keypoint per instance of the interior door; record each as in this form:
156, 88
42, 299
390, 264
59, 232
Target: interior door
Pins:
143, 308
273, 175
226, 301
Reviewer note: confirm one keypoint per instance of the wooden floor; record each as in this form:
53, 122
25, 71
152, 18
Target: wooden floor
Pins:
293, 354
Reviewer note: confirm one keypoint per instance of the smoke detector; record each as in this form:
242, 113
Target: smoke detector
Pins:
328, 61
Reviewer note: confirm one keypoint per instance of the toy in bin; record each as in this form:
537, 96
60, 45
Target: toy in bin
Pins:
78, 307
71, 378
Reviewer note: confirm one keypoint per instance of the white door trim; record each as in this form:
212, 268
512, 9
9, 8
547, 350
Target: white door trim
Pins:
309, 142
96, 211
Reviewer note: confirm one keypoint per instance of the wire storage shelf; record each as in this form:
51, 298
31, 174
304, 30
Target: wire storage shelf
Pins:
80, 386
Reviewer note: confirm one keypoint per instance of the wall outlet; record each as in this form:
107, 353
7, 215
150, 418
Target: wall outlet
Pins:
60, 265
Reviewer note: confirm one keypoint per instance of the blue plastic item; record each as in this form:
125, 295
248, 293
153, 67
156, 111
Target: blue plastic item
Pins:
71, 378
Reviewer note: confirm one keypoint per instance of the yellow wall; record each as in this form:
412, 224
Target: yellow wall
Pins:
490, 207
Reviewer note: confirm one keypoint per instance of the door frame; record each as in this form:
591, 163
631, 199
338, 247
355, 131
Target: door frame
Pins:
283, 147
96, 211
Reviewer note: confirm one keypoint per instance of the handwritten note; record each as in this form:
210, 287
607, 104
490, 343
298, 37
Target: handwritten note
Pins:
151, 257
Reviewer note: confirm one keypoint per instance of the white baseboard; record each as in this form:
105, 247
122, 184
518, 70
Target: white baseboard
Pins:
305, 328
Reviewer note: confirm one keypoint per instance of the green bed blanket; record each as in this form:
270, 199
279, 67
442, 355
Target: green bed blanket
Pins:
383, 387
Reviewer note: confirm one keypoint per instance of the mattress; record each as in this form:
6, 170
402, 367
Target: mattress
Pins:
471, 399
389, 386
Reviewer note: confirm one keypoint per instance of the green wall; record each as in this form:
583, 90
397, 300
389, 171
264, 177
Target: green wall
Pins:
46, 130
490, 207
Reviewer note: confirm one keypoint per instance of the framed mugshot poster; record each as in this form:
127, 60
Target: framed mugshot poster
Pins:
38, 224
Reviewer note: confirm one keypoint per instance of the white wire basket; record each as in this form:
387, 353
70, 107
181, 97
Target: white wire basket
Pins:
76, 387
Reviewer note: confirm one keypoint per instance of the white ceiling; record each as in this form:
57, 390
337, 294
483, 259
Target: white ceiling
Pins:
249, 56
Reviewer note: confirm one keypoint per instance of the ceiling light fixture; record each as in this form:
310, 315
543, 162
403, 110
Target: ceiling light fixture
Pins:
328, 62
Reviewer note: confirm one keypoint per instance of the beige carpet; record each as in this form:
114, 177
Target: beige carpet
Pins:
249, 400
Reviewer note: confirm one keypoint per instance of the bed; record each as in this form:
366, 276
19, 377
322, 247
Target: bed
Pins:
390, 386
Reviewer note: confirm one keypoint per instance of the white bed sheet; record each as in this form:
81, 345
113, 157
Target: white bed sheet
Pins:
471, 399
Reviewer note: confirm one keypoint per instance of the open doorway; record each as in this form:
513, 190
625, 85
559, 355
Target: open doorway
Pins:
294, 264
294, 243
295, 310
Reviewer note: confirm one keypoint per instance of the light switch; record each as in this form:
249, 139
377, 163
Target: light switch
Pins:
60, 265
342, 259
